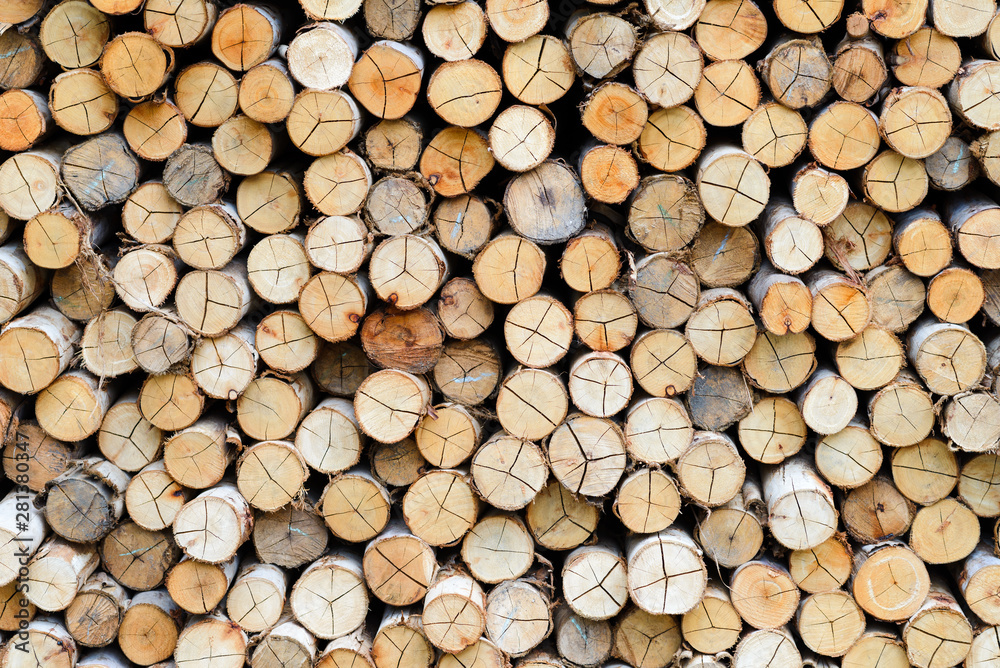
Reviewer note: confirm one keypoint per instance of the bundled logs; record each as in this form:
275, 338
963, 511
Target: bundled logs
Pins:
503, 334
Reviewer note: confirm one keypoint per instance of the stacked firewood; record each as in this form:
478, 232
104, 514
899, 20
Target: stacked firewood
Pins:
390, 334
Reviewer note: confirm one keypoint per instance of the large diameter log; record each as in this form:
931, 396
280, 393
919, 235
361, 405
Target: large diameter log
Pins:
330, 598
398, 566
227, 513
85, 502
57, 571
198, 587
137, 558
802, 514
938, 633
215, 631
39, 346
95, 615
670, 556
910, 581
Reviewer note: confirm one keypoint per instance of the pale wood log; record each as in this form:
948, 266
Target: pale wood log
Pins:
850, 457
516, 20
721, 329
922, 242
663, 362
270, 202
558, 520
970, 421
407, 270
871, 360
973, 219
518, 615
657, 430
860, 238
355, 506
179, 23
668, 68
983, 648
398, 566
73, 406
841, 307
600, 383
827, 402
410, 341
481, 654
386, 79
528, 195
468, 371
95, 615
829, 623
587, 454
825, 567
320, 122
767, 648
21, 59
948, 357
266, 92
337, 184
192, 175
46, 457
277, 268
440, 506
665, 213
57, 571
257, 596
271, 474
508, 472
938, 633
774, 134
764, 594
329, 437
454, 614
901, 413
777, 364
733, 186
818, 194
246, 35
971, 94
289, 644
876, 511
221, 509
509, 268
243, 146
944, 532
122, 55
289, 537
926, 58
21, 281
198, 456
976, 579
400, 640
54, 239
591, 260
449, 437
714, 624
207, 94
976, 486
893, 19
464, 224
723, 256
389, 403
730, 29
531, 403
647, 501
397, 205
454, 32
397, 19
493, 535
672, 138
608, 173
45, 641
615, 113
321, 56
150, 628
664, 292
859, 70
106, 345
22, 531
783, 303
150, 214
605, 320
197, 586
710, 470
926, 472
146, 276
338, 578
85, 502
955, 294
798, 72
338, 244
31, 181
578, 640
155, 129
394, 144
209, 236
670, 556
800, 504
602, 44
896, 297
844, 135
727, 93
915, 121
894, 182
464, 93
227, 641
773, 431
733, 534
272, 406
153, 498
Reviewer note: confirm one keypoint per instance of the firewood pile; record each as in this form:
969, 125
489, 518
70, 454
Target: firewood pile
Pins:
513, 334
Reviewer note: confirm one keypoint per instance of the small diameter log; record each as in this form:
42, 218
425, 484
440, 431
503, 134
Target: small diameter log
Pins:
246, 35
454, 614
398, 566
659, 227
971, 94
672, 138
153, 498
355, 506
257, 596
954, 165
938, 633
764, 594
894, 182
797, 72
657, 430
608, 173
776, 364
973, 220
976, 487
266, 92
227, 640
841, 309
710, 470
859, 70
337, 184
800, 505
913, 133
976, 578
850, 457
400, 640
896, 297
605, 320
22, 60
508, 472
197, 586
773, 431
406, 270
600, 383
663, 362
270, 474
329, 437
518, 616
145, 277
16, 544
733, 534
713, 625
454, 32
95, 615
483, 652
818, 194
31, 181
87, 500
827, 402
647, 501
667, 68
224, 366
198, 456
665, 291
733, 186
955, 294
784, 303
54, 239
829, 623
289, 537
333, 579
591, 260
450, 438
150, 214
106, 346
209, 236
468, 371
149, 630
213, 525
256, 414
922, 242
531, 403
859, 239
727, 94
670, 560
825, 567
493, 535
774, 134
57, 571
319, 123
288, 644
397, 205
206, 93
